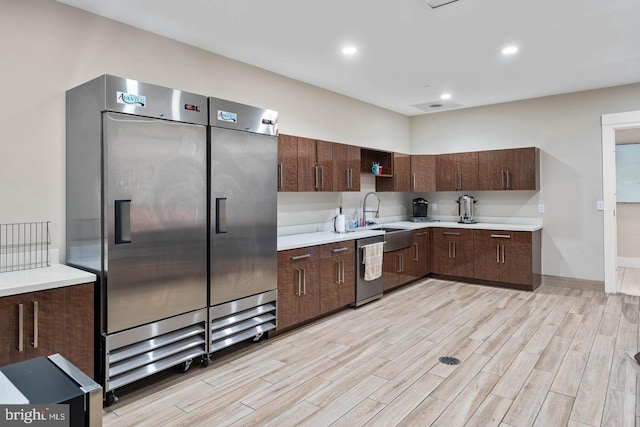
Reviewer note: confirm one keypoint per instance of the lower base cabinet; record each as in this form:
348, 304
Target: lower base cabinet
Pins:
298, 286
42, 323
337, 276
396, 268
453, 252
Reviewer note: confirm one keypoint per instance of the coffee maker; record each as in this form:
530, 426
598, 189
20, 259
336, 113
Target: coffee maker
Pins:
420, 210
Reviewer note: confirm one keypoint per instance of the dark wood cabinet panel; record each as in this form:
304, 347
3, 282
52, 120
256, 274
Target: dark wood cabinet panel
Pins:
337, 275
423, 173
504, 256
397, 268
307, 171
457, 172
401, 178
287, 163
453, 252
512, 169
421, 254
310, 298
298, 286
346, 167
58, 320
324, 160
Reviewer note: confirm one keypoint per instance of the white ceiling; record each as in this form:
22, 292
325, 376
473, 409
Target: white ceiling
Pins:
409, 54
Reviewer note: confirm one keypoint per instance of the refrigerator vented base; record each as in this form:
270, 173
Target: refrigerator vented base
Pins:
130, 358
241, 320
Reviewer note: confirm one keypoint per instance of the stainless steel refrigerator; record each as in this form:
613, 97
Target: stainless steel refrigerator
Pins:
136, 209
243, 227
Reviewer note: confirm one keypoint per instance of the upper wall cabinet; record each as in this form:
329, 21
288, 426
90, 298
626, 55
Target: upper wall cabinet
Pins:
423, 173
457, 172
287, 163
513, 169
346, 167
400, 180
315, 165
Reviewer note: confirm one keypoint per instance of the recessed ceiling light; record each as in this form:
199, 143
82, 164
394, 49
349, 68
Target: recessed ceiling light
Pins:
349, 50
445, 96
510, 50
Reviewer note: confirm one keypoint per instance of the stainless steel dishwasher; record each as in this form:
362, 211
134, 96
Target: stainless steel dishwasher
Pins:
366, 291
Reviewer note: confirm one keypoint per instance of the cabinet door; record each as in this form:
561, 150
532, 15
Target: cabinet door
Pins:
517, 258
288, 298
391, 269
423, 173
487, 255
453, 252
79, 326
308, 173
337, 275
10, 343
298, 277
45, 331
514, 169
324, 159
420, 256
287, 163
310, 298
347, 290
346, 167
400, 181
457, 172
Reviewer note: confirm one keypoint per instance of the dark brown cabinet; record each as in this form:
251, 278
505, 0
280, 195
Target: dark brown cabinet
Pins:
396, 268
298, 286
423, 173
400, 179
457, 172
337, 276
46, 322
508, 257
420, 263
346, 167
315, 165
513, 169
287, 163
453, 252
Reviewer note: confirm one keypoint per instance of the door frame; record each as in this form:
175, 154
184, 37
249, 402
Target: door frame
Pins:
610, 123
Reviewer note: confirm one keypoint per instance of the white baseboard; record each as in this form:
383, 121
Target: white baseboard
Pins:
628, 262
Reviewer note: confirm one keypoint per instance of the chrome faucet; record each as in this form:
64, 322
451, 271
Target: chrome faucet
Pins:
364, 207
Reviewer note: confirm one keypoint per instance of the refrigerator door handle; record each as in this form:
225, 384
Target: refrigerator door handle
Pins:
221, 215
123, 221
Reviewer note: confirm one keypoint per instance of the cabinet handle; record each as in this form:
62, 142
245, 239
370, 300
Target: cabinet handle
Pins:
498, 254
279, 176
20, 327
508, 180
399, 269
502, 178
501, 236
337, 272
35, 324
454, 249
304, 281
421, 234
322, 177
416, 256
340, 250
450, 233
413, 182
315, 173
460, 175
296, 258
350, 179
342, 270
449, 244
299, 282
503, 254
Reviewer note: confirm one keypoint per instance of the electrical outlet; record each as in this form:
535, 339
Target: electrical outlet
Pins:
540, 208
434, 207
599, 205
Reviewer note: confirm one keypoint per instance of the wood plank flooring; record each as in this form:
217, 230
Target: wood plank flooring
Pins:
629, 280
553, 357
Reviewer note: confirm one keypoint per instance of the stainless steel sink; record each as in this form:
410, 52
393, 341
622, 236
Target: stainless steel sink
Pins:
396, 238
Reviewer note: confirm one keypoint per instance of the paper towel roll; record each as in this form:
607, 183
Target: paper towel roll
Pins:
340, 223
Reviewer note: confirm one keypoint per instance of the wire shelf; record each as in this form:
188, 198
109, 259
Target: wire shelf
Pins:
24, 246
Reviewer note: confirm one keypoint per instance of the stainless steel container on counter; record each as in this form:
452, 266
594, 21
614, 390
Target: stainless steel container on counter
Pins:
465, 209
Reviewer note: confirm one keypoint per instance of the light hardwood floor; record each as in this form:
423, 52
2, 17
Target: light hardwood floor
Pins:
553, 357
629, 280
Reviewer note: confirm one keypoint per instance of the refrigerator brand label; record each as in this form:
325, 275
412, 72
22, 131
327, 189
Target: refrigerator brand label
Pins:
129, 99
226, 116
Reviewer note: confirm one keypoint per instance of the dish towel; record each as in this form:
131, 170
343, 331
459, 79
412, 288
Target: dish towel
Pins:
372, 260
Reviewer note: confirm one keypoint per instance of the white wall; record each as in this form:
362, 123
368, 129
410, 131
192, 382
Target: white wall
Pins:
567, 130
48, 47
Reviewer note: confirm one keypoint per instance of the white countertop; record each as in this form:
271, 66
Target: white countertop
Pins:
295, 241
41, 279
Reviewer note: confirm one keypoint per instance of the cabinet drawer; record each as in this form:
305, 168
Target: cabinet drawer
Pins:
337, 249
298, 256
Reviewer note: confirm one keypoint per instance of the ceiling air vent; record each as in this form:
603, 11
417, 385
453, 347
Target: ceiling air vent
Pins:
433, 4
440, 104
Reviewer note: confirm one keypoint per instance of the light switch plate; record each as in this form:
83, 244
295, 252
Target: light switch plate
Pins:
600, 205
540, 208
434, 207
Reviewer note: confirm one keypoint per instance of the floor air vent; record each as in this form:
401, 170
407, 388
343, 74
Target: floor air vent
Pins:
448, 360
